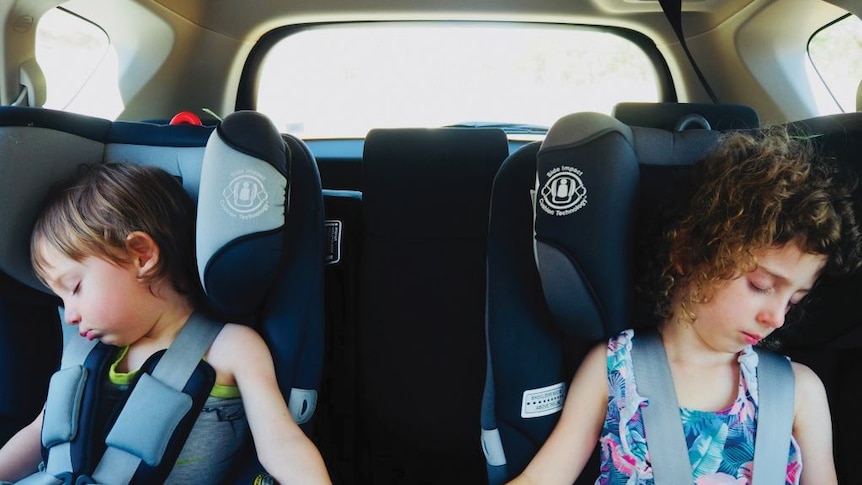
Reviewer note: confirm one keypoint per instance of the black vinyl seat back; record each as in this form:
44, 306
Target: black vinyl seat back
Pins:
829, 337
425, 196
260, 261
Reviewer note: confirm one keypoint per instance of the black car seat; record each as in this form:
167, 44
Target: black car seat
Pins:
261, 263
552, 294
548, 305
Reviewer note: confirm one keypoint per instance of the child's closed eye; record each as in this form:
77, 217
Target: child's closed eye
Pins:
762, 288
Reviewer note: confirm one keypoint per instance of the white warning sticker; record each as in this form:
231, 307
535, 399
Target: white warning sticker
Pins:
543, 401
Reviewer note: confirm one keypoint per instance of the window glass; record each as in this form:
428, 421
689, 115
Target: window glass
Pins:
836, 52
340, 81
79, 65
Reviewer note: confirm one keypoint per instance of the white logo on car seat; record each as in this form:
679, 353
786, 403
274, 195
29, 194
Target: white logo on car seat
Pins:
564, 193
245, 196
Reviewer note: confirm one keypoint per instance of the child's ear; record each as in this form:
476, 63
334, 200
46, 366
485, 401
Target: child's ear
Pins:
143, 250
678, 242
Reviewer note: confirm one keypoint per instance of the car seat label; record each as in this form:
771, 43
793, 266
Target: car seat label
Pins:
333, 241
543, 401
564, 192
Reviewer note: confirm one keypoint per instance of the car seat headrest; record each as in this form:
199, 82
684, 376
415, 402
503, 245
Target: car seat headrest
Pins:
242, 204
682, 116
587, 197
585, 192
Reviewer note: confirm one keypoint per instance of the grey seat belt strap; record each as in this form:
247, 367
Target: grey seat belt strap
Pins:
177, 365
662, 423
174, 369
774, 418
663, 427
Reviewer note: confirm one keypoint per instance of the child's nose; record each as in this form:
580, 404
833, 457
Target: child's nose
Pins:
772, 316
71, 316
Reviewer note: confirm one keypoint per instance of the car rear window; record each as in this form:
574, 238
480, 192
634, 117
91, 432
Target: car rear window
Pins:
340, 81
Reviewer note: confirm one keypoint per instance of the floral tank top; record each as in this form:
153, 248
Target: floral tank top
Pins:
720, 444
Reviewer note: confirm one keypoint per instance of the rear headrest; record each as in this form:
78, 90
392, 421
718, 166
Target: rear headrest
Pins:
682, 116
586, 205
241, 211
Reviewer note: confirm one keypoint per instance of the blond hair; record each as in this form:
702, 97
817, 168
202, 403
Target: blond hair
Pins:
108, 202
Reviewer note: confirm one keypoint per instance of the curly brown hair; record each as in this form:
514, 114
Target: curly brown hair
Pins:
758, 190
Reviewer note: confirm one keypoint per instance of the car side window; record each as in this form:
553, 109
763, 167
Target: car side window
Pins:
79, 65
338, 81
836, 53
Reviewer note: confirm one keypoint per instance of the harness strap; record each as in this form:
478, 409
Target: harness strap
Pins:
774, 418
158, 394
118, 465
662, 424
668, 450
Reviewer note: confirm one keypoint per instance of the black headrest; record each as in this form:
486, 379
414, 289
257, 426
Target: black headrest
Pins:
588, 188
683, 116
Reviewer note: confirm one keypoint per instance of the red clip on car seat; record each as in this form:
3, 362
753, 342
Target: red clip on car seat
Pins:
264, 269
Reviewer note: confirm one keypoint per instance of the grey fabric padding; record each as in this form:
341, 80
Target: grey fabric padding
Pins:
123, 466
35, 159
184, 162
579, 128
148, 419
59, 455
60, 422
239, 195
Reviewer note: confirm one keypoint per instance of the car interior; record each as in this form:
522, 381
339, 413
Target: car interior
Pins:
425, 304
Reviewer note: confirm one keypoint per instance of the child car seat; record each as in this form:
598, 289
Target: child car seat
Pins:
261, 263
554, 292
547, 307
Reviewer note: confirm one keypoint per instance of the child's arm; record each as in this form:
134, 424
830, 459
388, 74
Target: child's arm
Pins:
812, 427
282, 447
563, 456
20, 456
